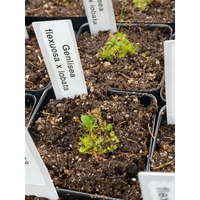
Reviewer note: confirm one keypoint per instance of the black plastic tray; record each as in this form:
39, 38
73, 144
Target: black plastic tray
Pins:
48, 94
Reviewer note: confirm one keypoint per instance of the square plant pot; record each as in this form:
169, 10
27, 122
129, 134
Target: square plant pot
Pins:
139, 74
131, 150
162, 156
30, 104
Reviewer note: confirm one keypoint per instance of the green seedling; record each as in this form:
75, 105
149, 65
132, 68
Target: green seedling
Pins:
117, 46
98, 137
141, 4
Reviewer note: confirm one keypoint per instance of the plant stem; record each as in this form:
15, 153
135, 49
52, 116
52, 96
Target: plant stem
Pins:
120, 16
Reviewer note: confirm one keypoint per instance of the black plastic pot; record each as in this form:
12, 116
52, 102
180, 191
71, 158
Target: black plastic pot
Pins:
155, 92
30, 100
49, 94
162, 120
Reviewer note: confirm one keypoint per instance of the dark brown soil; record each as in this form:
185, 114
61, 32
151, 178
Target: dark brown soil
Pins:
28, 110
56, 134
164, 155
33, 197
36, 75
164, 11
134, 72
49, 8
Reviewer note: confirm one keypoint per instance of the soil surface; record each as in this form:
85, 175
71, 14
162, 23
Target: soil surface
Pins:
28, 110
49, 8
134, 72
56, 135
164, 155
33, 197
163, 11
36, 75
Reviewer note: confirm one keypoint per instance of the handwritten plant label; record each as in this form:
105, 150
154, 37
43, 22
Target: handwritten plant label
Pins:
169, 54
100, 15
37, 179
157, 185
59, 49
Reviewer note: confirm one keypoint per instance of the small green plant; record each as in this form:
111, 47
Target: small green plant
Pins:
117, 46
141, 4
98, 137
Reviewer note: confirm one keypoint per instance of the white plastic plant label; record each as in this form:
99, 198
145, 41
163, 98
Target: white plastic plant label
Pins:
59, 49
37, 179
100, 15
157, 185
169, 54
24, 32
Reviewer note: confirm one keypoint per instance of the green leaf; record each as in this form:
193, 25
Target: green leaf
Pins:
109, 127
113, 40
91, 118
118, 43
107, 43
87, 119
